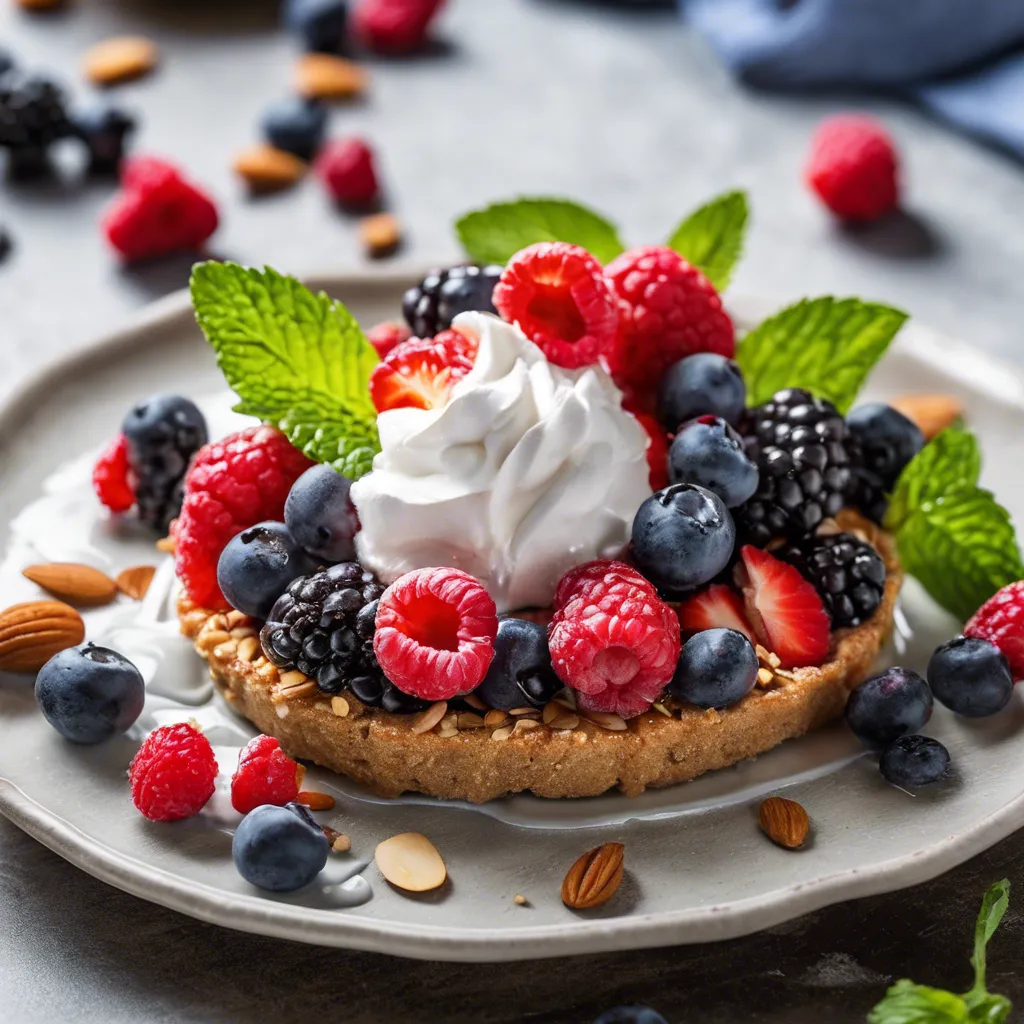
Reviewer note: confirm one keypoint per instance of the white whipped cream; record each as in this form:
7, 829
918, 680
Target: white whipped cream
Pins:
528, 470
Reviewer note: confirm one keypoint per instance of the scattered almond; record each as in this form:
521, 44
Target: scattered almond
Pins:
135, 581
120, 59
932, 413
340, 706
34, 631
520, 900
784, 822
411, 862
593, 879
267, 169
426, 720
320, 76
342, 844
380, 234
316, 801
73, 582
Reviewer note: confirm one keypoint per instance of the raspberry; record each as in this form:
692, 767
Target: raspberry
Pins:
669, 310
346, 167
265, 775
394, 26
854, 168
657, 450
1000, 620
581, 578
616, 644
173, 773
435, 633
387, 336
110, 476
234, 483
558, 296
420, 373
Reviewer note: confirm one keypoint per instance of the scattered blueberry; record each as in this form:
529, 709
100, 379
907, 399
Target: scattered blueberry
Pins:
701, 385
296, 125
886, 706
89, 693
971, 677
280, 849
717, 667
320, 24
708, 452
888, 440
104, 129
683, 536
257, 565
321, 516
520, 673
914, 761
631, 1015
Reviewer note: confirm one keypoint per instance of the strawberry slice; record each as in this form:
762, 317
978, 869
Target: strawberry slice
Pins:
420, 373
715, 606
785, 609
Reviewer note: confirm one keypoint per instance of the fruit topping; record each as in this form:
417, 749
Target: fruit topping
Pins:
435, 633
279, 849
430, 306
888, 705
110, 476
1001, 620
394, 26
914, 761
420, 374
520, 675
265, 775
717, 668
882, 441
320, 24
657, 450
785, 610
172, 775
706, 384
557, 294
33, 116
347, 167
320, 514
579, 580
708, 452
296, 125
387, 336
105, 130
717, 605
971, 677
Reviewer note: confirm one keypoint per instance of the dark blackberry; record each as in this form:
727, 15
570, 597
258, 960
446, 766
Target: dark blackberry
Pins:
33, 116
104, 129
799, 445
430, 306
847, 572
882, 441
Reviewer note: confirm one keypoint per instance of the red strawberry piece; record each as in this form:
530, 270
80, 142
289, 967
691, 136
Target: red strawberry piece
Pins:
265, 775
394, 26
657, 450
435, 631
603, 570
558, 296
715, 606
420, 373
386, 337
786, 611
110, 478
172, 775
1000, 620
348, 168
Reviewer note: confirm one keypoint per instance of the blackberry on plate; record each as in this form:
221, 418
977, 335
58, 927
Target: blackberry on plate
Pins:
430, 306
848, 573
799, 445
105, 129
33, 116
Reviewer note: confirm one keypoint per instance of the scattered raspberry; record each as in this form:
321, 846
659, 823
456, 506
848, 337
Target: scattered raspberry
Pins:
716, 606
854, 168
387, 336
394, 26
110, 476
158, 212
657, 450
173, 773
1000, 620
581, 578
265, 775
435, 633
558, 296
669, 310
347, 168
420, 373
232, 484
616, 644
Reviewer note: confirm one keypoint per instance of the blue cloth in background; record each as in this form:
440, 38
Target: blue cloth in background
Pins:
954, 56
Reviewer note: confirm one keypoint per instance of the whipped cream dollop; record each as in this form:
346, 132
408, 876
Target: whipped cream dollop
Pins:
528, 470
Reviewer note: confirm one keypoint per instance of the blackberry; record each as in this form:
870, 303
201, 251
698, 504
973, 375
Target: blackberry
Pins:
799, 445
882, 442
105, 130
33, 116
430, 306
848, 574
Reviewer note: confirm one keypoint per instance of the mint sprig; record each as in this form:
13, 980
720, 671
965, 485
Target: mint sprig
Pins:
711, 237
295, 359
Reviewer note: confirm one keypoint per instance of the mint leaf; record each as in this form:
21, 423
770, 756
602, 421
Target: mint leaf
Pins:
711, 238
826, 345
907, 1003
295, 359
993, 907
497, 232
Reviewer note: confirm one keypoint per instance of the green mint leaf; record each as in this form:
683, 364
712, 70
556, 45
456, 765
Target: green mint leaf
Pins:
295, 359
988, 1009
826, 345
497, 232
993, 907
711, 238
907, 1003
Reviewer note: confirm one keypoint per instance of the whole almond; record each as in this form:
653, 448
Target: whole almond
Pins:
267, 169
31, 633
784, 822
73, 582
135, 580
321, 76
411, 862
380, 234
593, 879
932, 413
120, 59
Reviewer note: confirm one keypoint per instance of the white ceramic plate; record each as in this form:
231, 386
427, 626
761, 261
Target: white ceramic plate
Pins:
697, 867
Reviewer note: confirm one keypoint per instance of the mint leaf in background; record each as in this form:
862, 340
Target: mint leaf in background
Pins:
993, 907
497, 232
827, 346
711, 238
907, 1003
295, 359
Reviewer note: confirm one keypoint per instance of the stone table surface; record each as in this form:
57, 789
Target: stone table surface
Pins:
629, 112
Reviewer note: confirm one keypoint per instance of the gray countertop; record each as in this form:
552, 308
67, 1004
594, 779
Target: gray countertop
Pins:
626, 111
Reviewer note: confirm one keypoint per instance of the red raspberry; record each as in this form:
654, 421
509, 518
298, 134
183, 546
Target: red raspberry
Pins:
265, 775
616, 644
558, 296
346, 167
582, 578
232, 484
420, 373
394, 26
854, 168
1000, 620
657, 450
110, 476
387, 336
173, 773
669, 310
435, 633
157, 212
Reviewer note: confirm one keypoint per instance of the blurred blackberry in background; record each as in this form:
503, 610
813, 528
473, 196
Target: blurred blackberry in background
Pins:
430, 306
33, 116
104, 129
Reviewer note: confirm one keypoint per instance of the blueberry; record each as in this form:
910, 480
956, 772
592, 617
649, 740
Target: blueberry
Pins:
888, 440
708, 452
280, 849
104, 128
886, 706
683, 536
321, 516
717, 667
89, 693
700, 385
971, 677
320, 24
914, 761
520, 673
296, 125
631, 1015
257, 565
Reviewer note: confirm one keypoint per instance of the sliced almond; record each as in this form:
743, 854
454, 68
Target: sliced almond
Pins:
475, 702
340, 707
606, 720
321, 76
495, 718
73, 582
135, 580
594, 878
426, 720
248, 648
470, 720
525, 725
380, 234
268, 169
316, 801
932, 413
411, 862
502, 734
120, 59
566, 720
784, 821
32, 632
